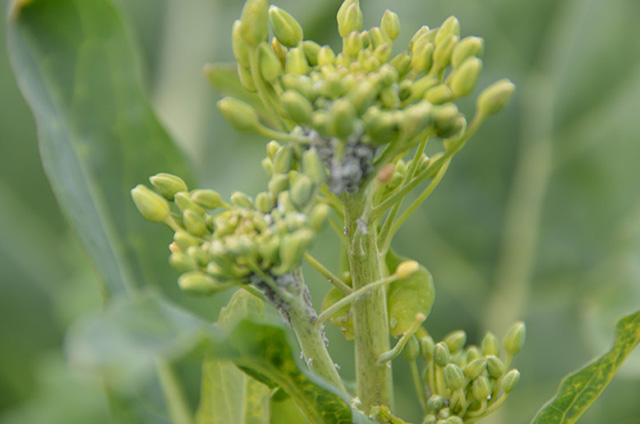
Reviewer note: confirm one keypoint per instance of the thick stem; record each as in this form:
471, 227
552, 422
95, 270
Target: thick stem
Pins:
371, 324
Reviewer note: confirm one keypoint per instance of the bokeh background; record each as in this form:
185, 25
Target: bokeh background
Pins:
537, 219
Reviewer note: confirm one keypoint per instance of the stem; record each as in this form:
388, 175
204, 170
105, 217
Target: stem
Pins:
337, 282
371, 324
173, 394
397, 349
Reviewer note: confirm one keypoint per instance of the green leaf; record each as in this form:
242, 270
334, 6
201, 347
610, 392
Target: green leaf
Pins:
343, 318
98, 136
228, 395
579, 390
283, 409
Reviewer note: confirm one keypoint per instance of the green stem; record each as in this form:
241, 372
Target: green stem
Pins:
397, 349
371, 323
337, 282
173, 394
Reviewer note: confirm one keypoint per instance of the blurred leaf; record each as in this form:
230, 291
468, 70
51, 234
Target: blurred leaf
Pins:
228, 395
282, 409
579, 390
98, 136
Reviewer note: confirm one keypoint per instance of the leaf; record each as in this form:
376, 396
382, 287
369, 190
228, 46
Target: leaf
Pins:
98, 136
282, 409
579, 390
228, 395
343, 318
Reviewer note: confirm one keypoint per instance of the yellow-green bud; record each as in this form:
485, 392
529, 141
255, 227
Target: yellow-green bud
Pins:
182, 262
240, 48
390, 24
422, 56
255, 26
199, 283
450, 26
420, 86
405, 88
362, 95
495, 97
343, 116
242, 116
184, 202
292, 248
152, 206
194, 223
241, 200
443, 50
378, 37
495, 366
286, 29
270, 66
514, 340
167, 184
464, 79
380, 126
208, 199
430, 419
301, 191
435, 403
272, 148
441, 354
427, 346
402, 63
453, 377
481, 388
417, 118
277, 184
349, 17
297, 107
383, 52
270, 250
326, 56
439, 94
446, 119
267, 166
444, 413
311, 50
282, 160
246, 79
455, 341
301, 83
510, 380
185, 240
285, 205
489, 345
313, 166
352, 44
454, 420
263, 203
199, 255
467, 47
296, 62
318, 216
389, 97
475, 368
406, 269
411, 349
372, 63
419, 34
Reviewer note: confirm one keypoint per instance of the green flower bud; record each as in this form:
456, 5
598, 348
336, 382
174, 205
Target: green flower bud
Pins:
495, 97
389, 97
464, 79
430, 419
255, 27
383, 52
422, 56
296, 106
446, 120
481, 388
286, 29
405, 89
277, 184
352, 44
272, 148
318, 216
285, 205
292, 249
454, 420
489, 345
514, 340
362, 95
417, 118
182, 262
313, 166
402, 63
301, 83
194, 223
279, 50
283, 160
263, 203
151, 205
296, 62
332, 86
301, 191
439, 94
270, 66
444, 49
208, 199
380, 126
246, 79
185, 240
444, 413
472, 353
451, 26
422, 85
422, 33
184, 202
199, 255
267, 166
387, 75
349, 17
427, 346
453, 377
343, 116
199, 283
495, 366
390, 24
377, 37
435, 403
510, 380
406, 269
326, 56
240, 48
467, 47
475, 368
411, 349
167, 184
270, 250
455, 341
441, 354
242, 116
311, 50
241, 200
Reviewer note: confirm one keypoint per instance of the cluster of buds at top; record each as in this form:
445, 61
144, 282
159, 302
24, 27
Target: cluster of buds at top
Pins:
361, 96
466, 383
265, 235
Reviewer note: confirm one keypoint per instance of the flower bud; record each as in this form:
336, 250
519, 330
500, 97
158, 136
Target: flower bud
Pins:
151, 205
279, 50
208, 199
454, 420
277, 184
489, 345
419, 34
297, 107
270, 250
349, 17
199, 255
435, 403
472, 353
318, 216
246, 79
390, 24
422, 56
285, 205
455, 341
464, 79
301, 83
184, 202
467, 47
430, 419
417, 118
439, 94
451, 26
167, 184
182, 262
267, 166
495, 97
311, 50
352, 44
194, 223
199, 283
441, 354
283, 160
313, 167
426, 346
475, 368
380, 126
422, 85
255, 27
301, 191
383, 53
292, 249
495, 366
263, 203
390, 97
446, 120
406, 269
402, 63
326, 56
241, 200
242, 116
510, 380
185, 240
481, 388
270, 66
272, 148
411, 349
239, 46
514, 340
362, 95
444, 49
453, 377
343, 116
296, 62
286, 29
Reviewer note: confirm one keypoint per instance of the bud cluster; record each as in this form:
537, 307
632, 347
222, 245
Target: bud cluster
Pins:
466, 383
265, 235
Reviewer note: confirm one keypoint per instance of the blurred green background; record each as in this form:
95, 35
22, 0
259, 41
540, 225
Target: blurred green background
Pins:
538, 218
